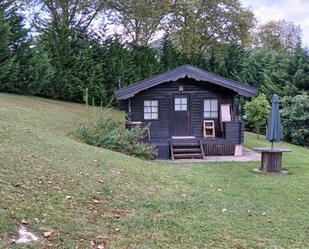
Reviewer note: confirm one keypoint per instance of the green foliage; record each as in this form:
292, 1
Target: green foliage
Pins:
170, 57
140, 19
257, 111
201, 25
278, 36
41, 72
20, 48
300, 68
6, 58
295, 119
109, 134
146, 60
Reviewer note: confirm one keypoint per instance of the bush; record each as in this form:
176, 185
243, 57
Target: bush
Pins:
257, 111
109, 134
295, 119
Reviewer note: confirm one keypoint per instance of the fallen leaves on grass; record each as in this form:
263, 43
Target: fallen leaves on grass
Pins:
94, 243
47, 234
117, 214
101, 181
25, 222
102, 201
17, 184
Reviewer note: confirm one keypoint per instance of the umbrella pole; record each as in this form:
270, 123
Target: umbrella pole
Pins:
272, 145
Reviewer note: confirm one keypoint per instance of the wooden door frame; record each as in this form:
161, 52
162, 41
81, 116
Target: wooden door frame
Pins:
172, 110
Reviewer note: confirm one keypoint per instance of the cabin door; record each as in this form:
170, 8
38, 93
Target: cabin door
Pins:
180, 115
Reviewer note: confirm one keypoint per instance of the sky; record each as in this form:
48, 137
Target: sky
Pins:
296, 11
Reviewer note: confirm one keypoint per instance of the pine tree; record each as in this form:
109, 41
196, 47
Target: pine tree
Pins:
170, 57
146, 60
20, 48
300, 65
41, 73
6, 59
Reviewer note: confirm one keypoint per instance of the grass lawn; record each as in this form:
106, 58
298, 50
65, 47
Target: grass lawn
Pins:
55, 182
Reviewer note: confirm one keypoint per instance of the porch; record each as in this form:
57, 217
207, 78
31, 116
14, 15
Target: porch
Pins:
194, 147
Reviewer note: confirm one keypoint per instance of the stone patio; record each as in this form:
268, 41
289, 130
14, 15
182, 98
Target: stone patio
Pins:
248, 156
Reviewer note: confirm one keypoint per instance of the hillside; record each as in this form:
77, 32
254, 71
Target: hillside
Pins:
89, 196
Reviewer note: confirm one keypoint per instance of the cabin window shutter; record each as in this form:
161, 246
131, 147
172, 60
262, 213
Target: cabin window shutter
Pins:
210, 108
151, 109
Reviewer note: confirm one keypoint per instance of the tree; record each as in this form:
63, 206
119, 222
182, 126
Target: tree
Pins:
140, 19
41, 73
278, 36
170, 57
295, 119
6, 59
257, 111
74, 15
146, 61
64, 36
20, 46
300, 68
198, 25
232, 63
118, 65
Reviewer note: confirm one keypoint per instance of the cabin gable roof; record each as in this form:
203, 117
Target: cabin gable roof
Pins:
182, 72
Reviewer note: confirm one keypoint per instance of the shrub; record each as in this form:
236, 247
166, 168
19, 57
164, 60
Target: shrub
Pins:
295, 119
109, 134
256, 112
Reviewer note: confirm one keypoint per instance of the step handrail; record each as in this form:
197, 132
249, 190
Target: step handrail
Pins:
202, 149
172, 150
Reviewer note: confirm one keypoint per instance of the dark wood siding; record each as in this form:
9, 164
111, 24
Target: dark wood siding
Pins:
198, 91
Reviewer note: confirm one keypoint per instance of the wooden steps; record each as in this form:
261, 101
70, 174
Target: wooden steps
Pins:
186, 148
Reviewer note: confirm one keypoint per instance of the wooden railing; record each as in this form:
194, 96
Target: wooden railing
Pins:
234, 131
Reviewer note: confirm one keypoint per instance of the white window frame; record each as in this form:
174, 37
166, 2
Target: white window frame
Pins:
151, 109
180, 104
213, 111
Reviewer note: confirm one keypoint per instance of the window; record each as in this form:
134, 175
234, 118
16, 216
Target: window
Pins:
181, 104
151, 109
210, 108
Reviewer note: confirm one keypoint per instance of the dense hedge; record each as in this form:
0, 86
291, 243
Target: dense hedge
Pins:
295, 119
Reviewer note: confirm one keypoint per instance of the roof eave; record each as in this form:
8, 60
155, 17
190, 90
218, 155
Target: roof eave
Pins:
182, 72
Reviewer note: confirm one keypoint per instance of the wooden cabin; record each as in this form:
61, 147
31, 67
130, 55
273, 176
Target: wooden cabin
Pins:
190, 113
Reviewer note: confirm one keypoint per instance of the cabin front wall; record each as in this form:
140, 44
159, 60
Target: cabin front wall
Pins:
161, 129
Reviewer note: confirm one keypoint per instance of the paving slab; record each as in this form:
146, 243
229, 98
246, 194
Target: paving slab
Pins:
248, 156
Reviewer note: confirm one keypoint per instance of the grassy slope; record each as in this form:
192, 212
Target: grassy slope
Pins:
149, 204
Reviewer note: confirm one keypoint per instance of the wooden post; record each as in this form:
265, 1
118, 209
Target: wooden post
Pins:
129, 110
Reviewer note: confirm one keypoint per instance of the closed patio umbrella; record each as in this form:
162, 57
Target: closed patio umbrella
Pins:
274, 127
